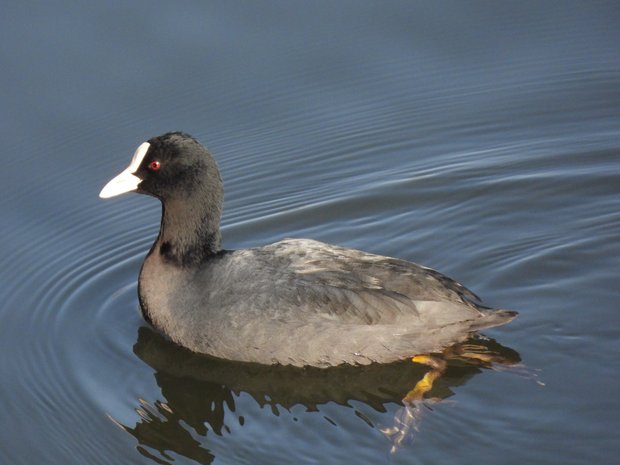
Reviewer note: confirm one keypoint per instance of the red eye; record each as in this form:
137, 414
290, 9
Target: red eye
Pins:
154, 165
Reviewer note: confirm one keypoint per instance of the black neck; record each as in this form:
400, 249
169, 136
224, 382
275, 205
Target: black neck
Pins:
189, 234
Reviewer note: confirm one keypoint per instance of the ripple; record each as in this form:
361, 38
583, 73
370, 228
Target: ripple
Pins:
72, 344
479, 141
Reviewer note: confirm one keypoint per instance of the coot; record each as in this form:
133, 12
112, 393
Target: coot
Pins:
297, 301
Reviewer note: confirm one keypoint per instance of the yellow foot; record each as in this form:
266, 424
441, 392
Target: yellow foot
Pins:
476, 354
437, 365
408, 417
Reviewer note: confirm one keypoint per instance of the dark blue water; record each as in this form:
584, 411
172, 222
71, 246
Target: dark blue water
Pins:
479, 138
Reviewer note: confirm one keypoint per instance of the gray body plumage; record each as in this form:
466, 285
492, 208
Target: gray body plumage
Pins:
303, 302
298, 301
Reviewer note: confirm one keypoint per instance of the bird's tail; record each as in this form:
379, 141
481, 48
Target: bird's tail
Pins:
493, 318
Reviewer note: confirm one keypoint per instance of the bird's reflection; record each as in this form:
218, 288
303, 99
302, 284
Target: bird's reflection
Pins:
199, 390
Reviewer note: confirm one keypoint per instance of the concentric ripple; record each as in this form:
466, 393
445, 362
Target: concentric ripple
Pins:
72, 307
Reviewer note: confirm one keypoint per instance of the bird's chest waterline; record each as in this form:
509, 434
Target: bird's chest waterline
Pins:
182, 303
161, 288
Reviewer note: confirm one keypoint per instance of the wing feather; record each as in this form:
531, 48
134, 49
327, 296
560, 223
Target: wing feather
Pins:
363, 288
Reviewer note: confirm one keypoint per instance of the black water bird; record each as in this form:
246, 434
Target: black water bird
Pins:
295, 302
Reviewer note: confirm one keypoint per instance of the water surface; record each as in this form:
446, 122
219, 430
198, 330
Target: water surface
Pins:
481, 139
